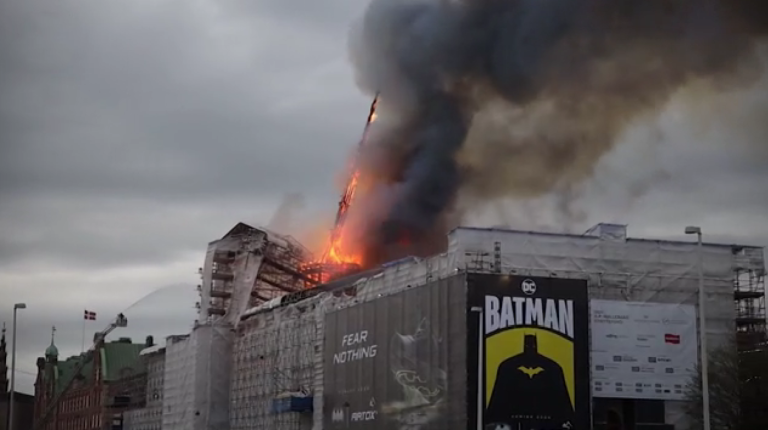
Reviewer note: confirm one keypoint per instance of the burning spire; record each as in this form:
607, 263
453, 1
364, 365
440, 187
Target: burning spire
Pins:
338, 251
340, 256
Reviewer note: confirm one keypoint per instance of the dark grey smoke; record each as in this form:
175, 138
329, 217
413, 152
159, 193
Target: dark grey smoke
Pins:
493, 98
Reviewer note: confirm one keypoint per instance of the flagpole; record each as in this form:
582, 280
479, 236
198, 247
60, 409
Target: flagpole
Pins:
82, 347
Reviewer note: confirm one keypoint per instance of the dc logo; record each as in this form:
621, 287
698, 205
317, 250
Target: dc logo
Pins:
528, 287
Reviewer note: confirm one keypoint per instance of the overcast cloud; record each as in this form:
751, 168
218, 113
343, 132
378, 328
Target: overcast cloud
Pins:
134, 132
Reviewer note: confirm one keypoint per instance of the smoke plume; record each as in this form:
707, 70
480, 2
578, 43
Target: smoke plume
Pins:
519, 98
282, 219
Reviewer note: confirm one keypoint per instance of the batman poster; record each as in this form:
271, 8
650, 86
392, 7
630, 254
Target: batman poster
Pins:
528, 355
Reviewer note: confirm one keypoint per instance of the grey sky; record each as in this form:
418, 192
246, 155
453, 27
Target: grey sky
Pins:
134, 132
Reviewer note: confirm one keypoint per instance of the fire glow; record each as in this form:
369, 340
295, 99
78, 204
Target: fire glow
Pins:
339, 250
340, 255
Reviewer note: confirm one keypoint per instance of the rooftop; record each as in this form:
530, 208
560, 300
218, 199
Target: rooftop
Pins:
119, 359
603, 230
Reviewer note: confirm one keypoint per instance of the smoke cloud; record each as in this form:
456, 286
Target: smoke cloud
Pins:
283, 218
490, 99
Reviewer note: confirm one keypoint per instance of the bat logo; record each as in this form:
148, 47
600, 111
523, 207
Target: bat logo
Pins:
530, 371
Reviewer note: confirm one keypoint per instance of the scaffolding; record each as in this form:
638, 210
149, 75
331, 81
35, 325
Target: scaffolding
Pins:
273, 368
749, 299
248, 267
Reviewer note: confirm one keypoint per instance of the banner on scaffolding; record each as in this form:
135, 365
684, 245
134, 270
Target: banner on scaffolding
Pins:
528, 353
643, 350
387, 361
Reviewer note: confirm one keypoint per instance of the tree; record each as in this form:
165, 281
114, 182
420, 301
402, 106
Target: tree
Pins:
754, 389
724, 391
738, 389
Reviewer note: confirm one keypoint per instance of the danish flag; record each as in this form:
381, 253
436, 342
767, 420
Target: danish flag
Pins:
88, 315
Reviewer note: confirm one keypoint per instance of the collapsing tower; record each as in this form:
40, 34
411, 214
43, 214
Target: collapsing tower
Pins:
247, 267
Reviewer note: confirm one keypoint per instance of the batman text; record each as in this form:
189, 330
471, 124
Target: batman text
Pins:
504, 312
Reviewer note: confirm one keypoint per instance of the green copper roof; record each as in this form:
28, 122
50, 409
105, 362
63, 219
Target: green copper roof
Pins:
65, 370
51, 351
118, 359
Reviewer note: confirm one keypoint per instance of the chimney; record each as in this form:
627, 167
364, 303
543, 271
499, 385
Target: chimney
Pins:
150, 341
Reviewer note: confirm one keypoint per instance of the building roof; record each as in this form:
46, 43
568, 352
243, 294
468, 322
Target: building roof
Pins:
595, 232
239, 229
119, 359
52, 351
65, 371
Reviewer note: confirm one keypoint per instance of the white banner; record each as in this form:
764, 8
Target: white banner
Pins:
642, 350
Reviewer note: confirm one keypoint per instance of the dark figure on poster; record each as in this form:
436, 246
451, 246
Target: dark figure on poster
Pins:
530, 391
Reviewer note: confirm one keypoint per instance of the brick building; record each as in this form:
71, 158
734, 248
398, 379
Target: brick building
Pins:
103, 384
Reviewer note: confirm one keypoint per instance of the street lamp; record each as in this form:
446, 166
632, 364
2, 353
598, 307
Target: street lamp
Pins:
702, 328
16, 307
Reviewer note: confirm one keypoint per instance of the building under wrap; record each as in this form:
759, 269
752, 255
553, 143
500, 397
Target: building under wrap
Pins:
423, 343
246, 267
150, 417
196, 386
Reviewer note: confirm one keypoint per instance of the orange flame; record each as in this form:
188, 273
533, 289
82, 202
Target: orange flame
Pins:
339, 251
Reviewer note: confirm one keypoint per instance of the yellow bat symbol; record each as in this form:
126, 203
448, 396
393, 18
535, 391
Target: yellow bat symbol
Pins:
530, 371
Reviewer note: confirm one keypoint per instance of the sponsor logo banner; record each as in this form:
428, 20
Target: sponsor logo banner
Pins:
642, 350
528, 355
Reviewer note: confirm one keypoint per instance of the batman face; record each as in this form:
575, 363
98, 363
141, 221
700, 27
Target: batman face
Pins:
423, 384
409, 356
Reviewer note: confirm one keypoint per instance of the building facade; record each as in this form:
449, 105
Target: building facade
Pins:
398, 345
150, 416
344, 352
90, 391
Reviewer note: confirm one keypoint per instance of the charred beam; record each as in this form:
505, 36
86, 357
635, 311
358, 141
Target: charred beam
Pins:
290, 271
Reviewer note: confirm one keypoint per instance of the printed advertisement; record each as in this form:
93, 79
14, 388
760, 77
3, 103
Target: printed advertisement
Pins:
642, 350
387, 361
528, 355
